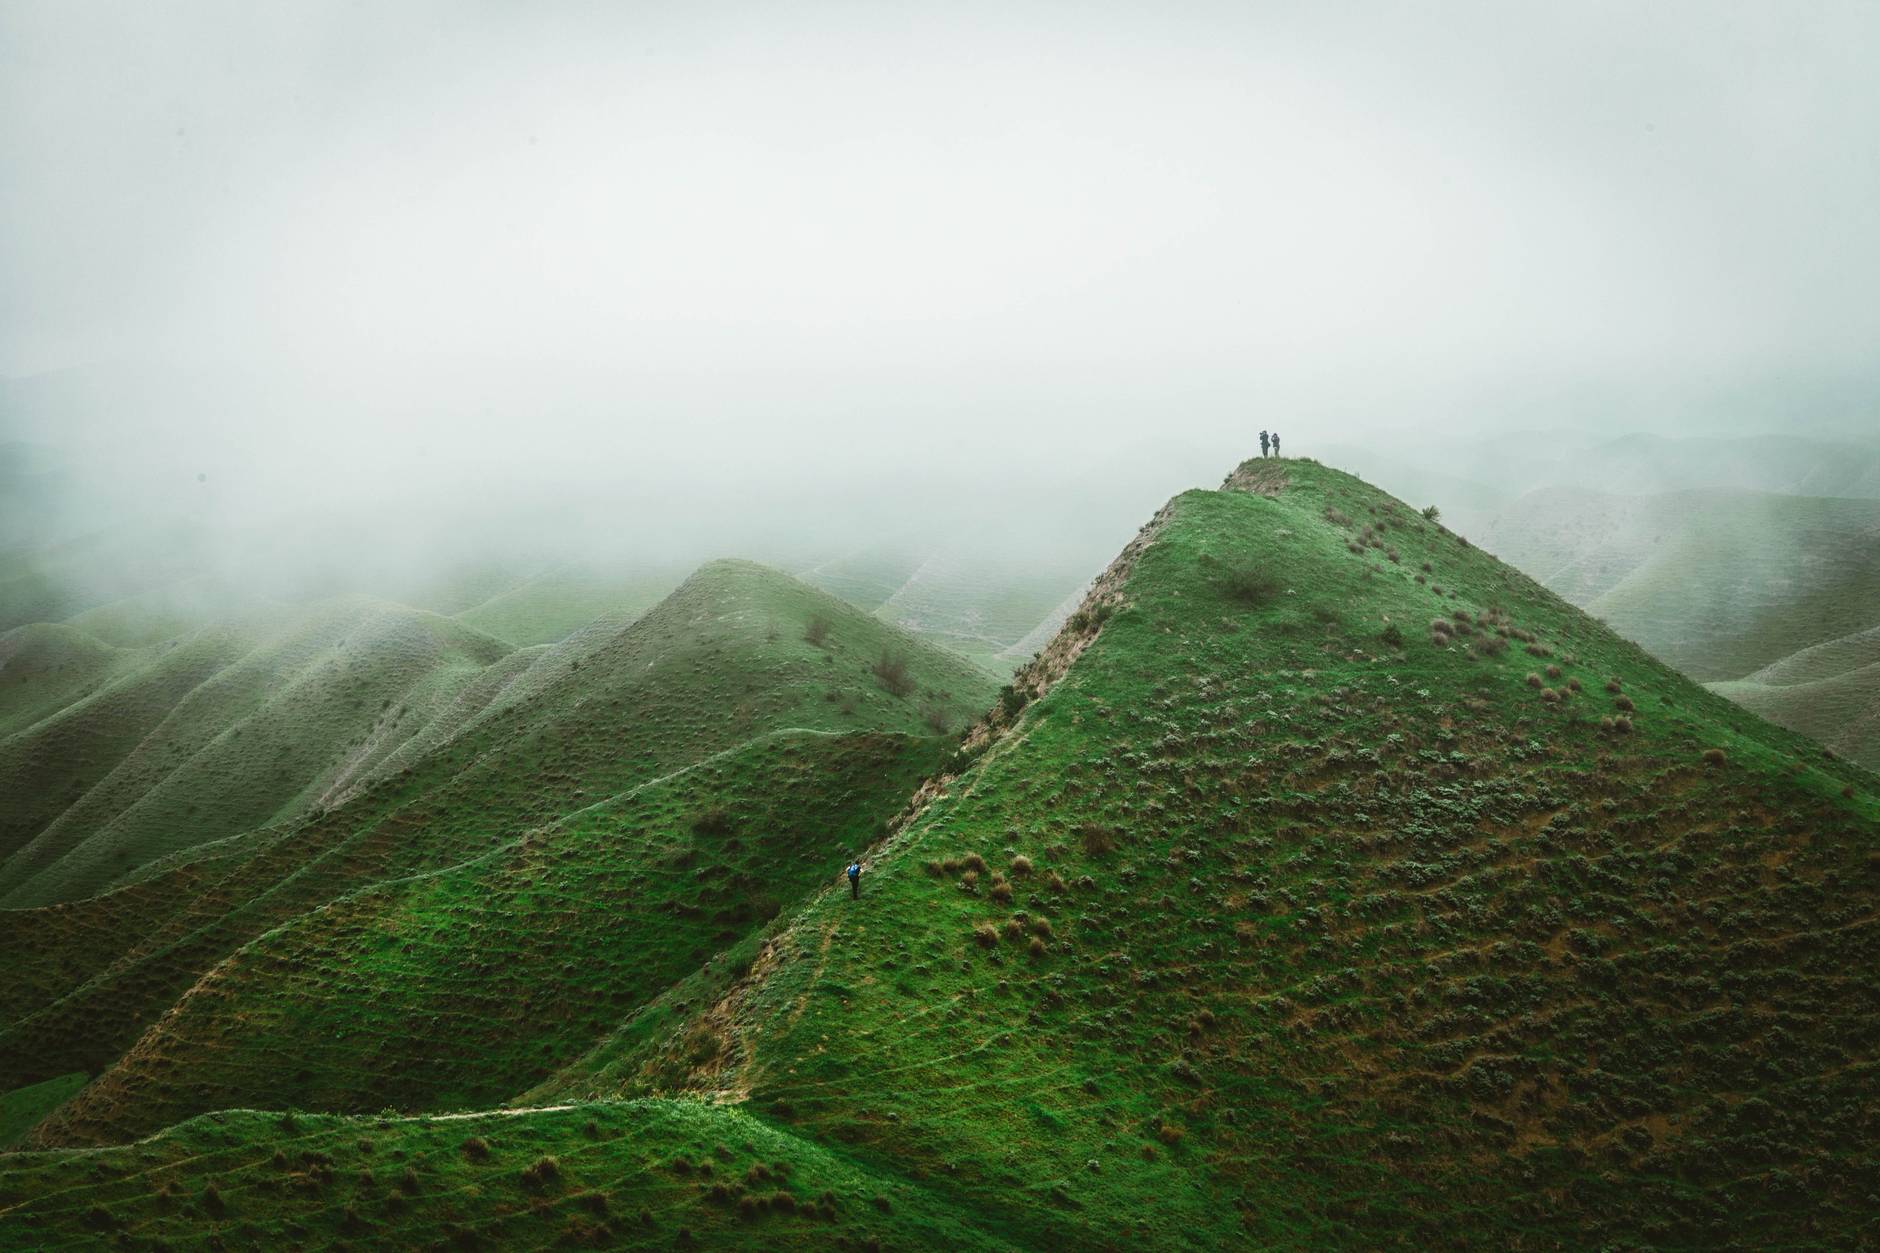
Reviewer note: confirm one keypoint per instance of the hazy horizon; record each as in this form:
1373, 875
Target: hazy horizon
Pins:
598, 278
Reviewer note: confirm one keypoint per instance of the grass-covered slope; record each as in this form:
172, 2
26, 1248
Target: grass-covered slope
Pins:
1348, 889
548, 607
297, 706
644, 1174
722, 661
460, 988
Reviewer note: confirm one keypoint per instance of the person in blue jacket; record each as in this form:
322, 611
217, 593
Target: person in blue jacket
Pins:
855, 880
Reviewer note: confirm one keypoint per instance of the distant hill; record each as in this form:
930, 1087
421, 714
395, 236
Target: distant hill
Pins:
1718, 583
1829, 691
1323, 882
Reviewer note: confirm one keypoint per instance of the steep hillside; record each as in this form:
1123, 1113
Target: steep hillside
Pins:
722, 661
1830, 691
1346, 888
460, 988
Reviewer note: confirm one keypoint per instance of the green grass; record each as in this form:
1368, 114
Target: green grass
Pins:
458, 989
645, 1174
223, 732
551, 606
23, 1108
719, 664
1388, 947
1326, 883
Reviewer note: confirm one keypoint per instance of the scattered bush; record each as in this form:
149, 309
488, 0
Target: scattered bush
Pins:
1623, 704
1553, 672
542, 1174
1533, 679
1714, 757
1622, 725
817, 631
1432, 514
1097, 840
891, 670
713, 821
986, 935
1549, 695
1012, 699
1021, 866
1391, 636
1612, 685
1000, 891
477, 1149
1036, 948
1250, 585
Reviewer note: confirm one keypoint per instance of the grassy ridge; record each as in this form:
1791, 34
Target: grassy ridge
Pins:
1325, 883
304, 705
646, 1174
1288, 918
721, 661
457, 989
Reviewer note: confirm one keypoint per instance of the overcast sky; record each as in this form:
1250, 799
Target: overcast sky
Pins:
464, 230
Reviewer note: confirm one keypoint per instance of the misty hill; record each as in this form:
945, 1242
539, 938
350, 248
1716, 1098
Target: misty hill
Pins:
222, 732
1324, 882
531, 738
1829, 691
1475, 477
1718, 583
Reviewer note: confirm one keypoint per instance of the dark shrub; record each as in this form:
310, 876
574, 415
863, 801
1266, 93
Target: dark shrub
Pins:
817, 631
1250, 585
891, 671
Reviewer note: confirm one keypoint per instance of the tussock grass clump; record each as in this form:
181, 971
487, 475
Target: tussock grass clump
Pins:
1624, 704
816, 631
891, 671
1249, 585
986, 935
543, 1173
1037, 947
1021, 866
1392, 637
1715, 757
1098, 840
1532, 679
476, 1149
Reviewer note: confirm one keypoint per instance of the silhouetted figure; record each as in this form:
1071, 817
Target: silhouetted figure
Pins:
1263, 443
1276, 443
855, 880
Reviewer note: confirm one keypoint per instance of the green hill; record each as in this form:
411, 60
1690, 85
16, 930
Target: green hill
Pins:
296, 707
1285, 917
551, 606
1323, 883
533, 738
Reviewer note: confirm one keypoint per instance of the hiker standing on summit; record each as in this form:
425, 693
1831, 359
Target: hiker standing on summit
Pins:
1276, 443
1263, 443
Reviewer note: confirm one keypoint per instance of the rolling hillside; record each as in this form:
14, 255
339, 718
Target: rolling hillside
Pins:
1829, 691
1717, 583
533, 737
1323, 883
